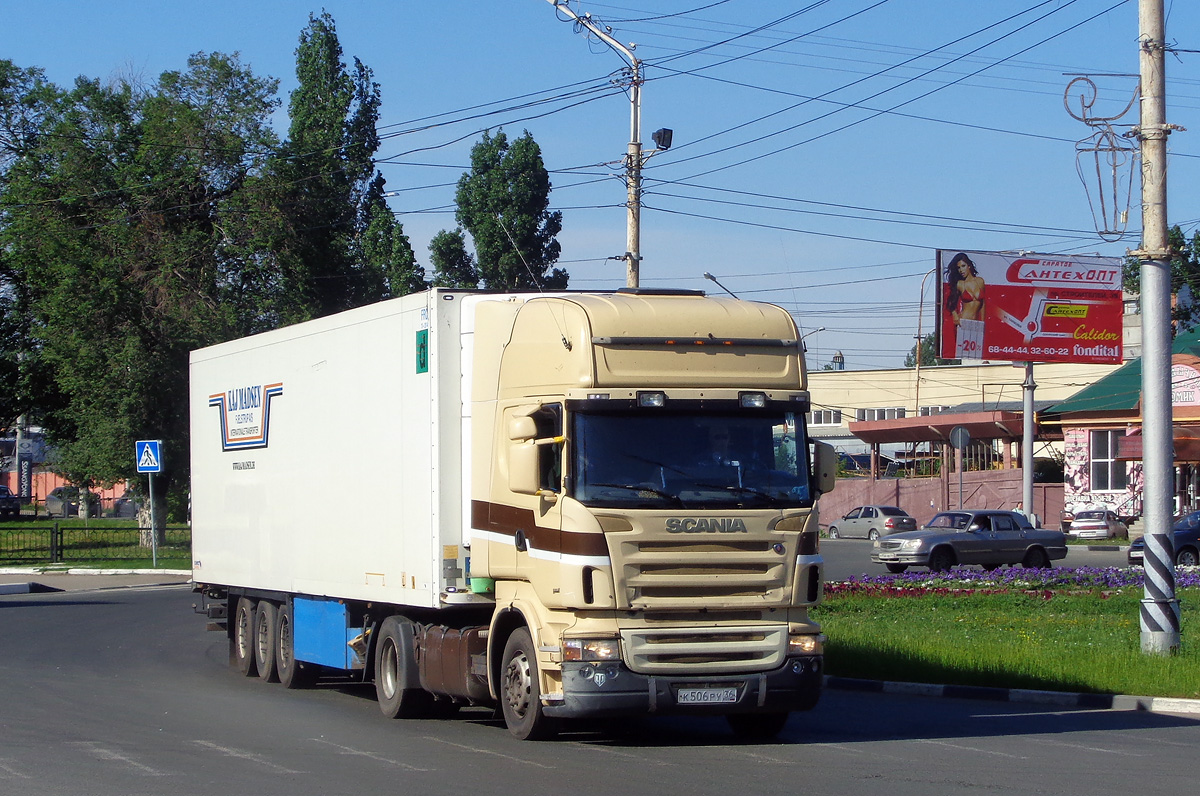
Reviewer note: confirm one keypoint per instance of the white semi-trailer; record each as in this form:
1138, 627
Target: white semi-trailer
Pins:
567, 506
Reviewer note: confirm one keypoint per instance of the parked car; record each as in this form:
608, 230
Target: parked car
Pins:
987, 538
127, 505
1186, 534
63, 501
872, 522
1097, 524
10, 504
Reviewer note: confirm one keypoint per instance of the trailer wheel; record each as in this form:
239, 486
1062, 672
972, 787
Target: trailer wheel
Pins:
757, 726
397, 686
241, 643
521, 697
265, 620
292, 673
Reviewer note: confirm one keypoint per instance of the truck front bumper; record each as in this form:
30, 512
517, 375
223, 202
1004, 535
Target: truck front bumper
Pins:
611, 689
910, 558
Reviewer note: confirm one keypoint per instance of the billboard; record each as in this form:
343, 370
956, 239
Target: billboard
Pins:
1029, 307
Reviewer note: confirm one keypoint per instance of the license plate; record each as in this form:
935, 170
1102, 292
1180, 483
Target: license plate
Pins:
707, 696
887, 556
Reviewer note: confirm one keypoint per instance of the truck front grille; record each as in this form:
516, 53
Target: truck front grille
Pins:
676, 573
719, 650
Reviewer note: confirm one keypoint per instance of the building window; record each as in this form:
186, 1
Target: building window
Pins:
926, 411
825, 417
882, 413
1108, 474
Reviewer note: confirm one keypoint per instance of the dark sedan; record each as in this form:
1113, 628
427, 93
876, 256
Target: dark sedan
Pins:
987, 538
1186, 533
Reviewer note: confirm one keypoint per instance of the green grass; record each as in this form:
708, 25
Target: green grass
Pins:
1056, 641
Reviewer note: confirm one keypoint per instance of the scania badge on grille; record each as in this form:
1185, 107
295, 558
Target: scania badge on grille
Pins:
706, 525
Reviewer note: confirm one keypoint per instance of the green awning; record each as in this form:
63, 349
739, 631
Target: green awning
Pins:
1121, 390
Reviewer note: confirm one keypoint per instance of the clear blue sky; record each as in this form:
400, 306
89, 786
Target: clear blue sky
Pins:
822, 151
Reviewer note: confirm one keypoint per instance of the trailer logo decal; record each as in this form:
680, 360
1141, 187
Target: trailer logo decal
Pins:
245, 415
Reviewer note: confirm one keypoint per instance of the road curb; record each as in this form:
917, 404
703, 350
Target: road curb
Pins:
1020, 695
25, 588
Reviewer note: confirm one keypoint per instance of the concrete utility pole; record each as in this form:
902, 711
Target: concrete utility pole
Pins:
1028, 431
634, 159
1160, 609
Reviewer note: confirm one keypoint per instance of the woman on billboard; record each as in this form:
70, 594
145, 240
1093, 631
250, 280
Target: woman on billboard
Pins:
964, 301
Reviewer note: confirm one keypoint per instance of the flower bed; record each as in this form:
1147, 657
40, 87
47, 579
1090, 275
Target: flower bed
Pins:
959, 581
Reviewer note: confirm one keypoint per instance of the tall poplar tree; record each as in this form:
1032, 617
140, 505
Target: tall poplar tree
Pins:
503, 202
453, 265
329, 193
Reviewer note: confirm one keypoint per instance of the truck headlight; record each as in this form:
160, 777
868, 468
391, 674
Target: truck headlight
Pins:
806, 645
591, 649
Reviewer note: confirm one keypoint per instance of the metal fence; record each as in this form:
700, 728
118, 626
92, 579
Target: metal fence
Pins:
56, 544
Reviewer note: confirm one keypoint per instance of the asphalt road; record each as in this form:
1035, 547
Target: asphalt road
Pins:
121, 692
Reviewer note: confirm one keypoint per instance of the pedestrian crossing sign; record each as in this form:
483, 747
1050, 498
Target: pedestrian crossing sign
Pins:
148, 453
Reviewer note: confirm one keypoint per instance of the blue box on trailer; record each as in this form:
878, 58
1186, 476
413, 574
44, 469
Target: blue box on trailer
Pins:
323, 633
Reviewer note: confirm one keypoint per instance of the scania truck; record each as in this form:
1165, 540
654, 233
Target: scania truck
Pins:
560, 506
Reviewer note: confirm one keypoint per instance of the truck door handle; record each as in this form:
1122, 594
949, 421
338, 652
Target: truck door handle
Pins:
521, 542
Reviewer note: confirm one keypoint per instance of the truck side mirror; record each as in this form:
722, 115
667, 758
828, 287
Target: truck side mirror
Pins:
534, 450
824, 467
522, 428
523, 467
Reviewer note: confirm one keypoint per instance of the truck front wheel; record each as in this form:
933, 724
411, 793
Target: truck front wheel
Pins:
520, 695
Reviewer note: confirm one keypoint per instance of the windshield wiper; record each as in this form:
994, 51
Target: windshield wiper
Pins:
742, 489
646, 488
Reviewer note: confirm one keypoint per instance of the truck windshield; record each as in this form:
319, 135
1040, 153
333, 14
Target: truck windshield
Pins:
680, 459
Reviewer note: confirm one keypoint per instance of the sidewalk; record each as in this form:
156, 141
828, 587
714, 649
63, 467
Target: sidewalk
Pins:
22, 580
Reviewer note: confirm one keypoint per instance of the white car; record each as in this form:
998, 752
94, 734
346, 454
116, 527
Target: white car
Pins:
1097, 524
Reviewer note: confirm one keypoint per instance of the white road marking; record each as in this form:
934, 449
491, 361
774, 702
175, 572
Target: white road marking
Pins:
974, 749
253, 758
103, 753
525, 761
10, 771
1086, 747
346, 750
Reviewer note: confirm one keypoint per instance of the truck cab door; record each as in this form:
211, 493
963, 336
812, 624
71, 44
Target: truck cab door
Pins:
526, 508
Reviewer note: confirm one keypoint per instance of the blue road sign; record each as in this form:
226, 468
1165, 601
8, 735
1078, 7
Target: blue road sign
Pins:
148, 453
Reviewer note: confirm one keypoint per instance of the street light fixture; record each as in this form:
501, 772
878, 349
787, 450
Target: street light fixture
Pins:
713, 279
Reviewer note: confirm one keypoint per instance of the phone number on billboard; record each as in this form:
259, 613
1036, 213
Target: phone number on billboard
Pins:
1033, 351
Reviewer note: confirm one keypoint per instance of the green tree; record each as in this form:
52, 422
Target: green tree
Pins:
928, 353
384, 248
503, 203
25, 98
117, 228
453, 265
326, 187
1185, 277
